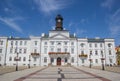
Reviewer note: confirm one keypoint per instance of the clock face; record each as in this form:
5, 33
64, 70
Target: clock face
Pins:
59, 20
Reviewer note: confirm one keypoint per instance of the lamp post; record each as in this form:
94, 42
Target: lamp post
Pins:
102, 60
17, 59
90, 61
29, 62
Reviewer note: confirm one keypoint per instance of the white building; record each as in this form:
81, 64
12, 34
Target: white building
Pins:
59, 47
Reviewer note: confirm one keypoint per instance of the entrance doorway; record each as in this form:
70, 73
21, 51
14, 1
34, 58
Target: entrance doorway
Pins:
58, 61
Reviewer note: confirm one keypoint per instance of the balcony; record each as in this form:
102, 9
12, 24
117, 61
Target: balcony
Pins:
83, 56
55, 53
35, 54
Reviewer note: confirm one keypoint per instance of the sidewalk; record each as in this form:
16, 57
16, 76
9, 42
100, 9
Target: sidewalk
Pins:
106, 74
17, 74
108, 68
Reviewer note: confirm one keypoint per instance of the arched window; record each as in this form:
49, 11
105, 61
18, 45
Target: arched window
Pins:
82, 44
109, 45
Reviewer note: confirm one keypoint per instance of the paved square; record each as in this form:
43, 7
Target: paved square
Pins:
61, 74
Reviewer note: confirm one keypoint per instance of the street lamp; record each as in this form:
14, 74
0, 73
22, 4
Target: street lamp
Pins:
29, 62
90, 60
102, 60
17, 59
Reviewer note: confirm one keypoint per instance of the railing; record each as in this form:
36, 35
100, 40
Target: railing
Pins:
58, 53
83, 55
35, 54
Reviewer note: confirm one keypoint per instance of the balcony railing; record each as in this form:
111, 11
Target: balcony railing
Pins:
50, 53
35, 54
83, 55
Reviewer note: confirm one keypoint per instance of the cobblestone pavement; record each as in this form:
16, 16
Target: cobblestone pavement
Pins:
8, 69
108, 68
61, 74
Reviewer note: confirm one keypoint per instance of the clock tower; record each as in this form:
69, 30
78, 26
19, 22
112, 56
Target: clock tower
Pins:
59, 23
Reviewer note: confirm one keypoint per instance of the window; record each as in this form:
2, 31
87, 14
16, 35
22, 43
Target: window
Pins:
16, 42
65, 43
35, 50
11, 43
25, 50
52, 60
101, 45
96, 60
15, 50
95, 45
72, 43
82, 44
65, 60
90, 45
0, 58
82, 52
52, 43
72, 50
35, 59
52, 49
20, 42
1, 42
45, 43
91, 52
11, 50
0, 50
96, 52
72, 60
59, 50
24, 59
65, 49
109, 45
45, 50
35, 42
20, 50
59, 43
45, 59
101, 53
25, 42
10, 58
19, 58
83, 61
110, 60
110, 52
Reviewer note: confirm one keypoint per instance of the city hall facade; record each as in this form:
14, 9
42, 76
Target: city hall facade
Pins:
58, 47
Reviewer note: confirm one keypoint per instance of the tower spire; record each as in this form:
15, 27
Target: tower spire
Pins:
59, 23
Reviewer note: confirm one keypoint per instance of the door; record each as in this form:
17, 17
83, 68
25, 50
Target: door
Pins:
58, 61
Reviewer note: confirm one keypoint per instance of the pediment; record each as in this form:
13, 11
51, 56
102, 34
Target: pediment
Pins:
59, 36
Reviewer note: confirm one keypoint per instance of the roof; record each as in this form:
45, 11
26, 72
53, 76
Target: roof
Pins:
95, 40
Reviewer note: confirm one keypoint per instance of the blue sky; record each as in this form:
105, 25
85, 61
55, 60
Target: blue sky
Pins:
86, 18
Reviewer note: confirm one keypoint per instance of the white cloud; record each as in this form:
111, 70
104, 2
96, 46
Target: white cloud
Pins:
48, 6
80, 31
107, 4
114, 23
11, 23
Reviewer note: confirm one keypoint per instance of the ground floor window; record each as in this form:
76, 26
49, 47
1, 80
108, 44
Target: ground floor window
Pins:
65, 59
0, 58
83, 61
52, 60
72, 60
110, 60
45, 59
